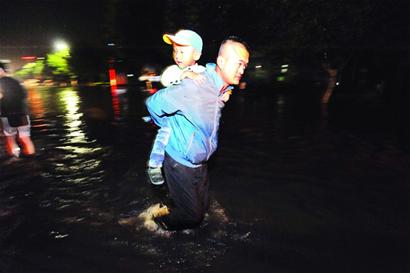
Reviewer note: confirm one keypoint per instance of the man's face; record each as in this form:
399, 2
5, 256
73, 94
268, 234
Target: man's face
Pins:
184, 56
232, 62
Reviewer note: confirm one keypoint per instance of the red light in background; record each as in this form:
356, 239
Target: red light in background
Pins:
113, 77
29, 58
152, 91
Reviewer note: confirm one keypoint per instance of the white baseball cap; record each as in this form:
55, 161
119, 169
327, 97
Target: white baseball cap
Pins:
184, 37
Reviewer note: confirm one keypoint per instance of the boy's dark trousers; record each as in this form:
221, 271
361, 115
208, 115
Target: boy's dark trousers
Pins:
188, 189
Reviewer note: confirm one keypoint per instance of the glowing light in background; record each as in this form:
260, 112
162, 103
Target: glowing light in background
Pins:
284, 68
280, 78
113, 77
60, 45
114, 95
28, 58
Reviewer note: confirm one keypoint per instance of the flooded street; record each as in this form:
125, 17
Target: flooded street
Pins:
294, 188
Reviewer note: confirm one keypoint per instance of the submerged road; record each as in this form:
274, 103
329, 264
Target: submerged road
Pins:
295, 186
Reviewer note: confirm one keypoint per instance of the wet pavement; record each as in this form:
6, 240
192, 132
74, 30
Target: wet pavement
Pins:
295, 187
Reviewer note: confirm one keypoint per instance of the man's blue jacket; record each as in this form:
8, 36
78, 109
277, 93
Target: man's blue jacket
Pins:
192, 110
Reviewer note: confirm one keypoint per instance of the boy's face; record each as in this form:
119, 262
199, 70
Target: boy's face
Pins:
184, 56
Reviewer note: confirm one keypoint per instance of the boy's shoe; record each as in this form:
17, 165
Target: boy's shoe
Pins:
155, 176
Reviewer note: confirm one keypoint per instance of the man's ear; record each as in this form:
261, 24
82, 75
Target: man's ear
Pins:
220, 61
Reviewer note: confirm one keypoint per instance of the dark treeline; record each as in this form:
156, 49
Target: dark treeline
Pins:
336, 30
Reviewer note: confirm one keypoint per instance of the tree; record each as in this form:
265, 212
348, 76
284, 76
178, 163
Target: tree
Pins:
58, 63
32, 70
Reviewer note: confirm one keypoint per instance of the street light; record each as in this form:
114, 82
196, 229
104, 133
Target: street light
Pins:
60, 45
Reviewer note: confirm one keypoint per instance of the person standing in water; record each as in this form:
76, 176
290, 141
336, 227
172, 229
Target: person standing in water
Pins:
14, 116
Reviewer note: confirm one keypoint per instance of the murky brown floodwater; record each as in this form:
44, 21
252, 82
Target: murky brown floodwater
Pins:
293, 189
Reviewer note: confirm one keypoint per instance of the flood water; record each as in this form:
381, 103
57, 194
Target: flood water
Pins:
294, 188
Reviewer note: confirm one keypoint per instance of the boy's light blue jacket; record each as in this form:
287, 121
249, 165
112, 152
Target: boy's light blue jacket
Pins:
192, 110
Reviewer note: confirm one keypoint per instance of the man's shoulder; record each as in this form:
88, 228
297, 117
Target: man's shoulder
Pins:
3, 82
194, 84
8, 79
3, 79
10, 84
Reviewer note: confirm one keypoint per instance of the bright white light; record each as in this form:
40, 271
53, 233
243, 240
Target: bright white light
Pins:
60, 45
258, 66
130, 75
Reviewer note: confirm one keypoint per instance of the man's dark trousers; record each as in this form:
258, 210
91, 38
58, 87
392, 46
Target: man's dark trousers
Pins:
188, 189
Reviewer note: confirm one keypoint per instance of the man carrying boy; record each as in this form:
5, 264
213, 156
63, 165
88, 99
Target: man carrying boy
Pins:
192, 110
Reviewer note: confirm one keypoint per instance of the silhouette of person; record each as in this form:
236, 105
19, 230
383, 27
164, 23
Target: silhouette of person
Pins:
14, 115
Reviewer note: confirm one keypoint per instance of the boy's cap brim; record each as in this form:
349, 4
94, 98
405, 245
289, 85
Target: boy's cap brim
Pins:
185, 38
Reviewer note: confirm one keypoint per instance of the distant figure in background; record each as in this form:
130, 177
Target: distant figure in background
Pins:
187, 49
332, 73
14, 115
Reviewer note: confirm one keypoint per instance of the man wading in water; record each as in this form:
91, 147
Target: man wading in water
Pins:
192, 110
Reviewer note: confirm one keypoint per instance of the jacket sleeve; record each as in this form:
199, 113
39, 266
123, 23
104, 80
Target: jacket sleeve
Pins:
168, 101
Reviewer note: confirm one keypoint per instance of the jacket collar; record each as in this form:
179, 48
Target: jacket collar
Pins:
211, 68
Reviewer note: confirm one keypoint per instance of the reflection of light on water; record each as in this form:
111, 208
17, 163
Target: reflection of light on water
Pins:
118, 104
35, 101
71, 100
115, 102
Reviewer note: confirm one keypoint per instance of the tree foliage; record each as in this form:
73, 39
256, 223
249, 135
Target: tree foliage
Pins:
32, 70
58, 62
56, 66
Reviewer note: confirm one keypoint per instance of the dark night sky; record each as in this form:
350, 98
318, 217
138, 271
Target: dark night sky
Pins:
38, 22
31, 26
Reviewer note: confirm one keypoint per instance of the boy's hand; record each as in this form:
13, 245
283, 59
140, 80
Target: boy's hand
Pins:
226, 95
147, 119
193, 76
